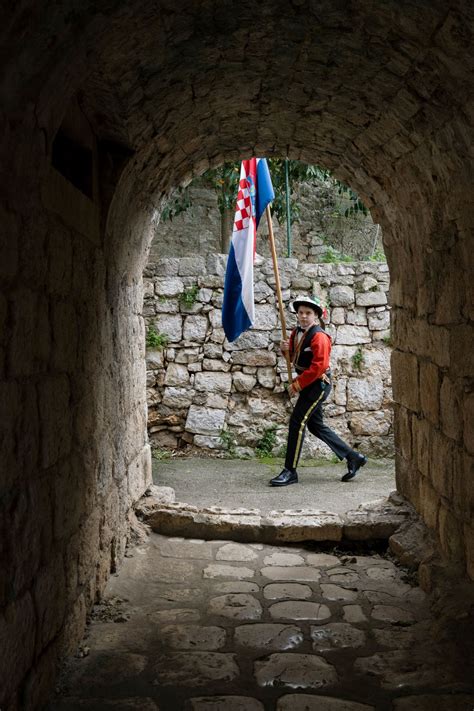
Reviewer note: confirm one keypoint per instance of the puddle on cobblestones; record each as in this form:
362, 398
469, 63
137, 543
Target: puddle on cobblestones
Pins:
225, 626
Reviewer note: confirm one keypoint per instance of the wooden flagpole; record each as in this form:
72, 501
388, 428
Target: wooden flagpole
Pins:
278, 290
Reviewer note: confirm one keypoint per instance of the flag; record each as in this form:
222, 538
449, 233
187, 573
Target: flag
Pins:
255, 193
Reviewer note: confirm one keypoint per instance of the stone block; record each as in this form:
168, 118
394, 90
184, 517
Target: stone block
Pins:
429, 391
371, 298
352, 335
468, 421
195, 328
357, 316
265, 317
337, 316
451, 415
266, 377
405, 380
248, 340
341, 296
17, 643
251, 358
56, 418
213, 382
166, 266
154, 359
208, 442
177, 375
469, 549
215, 365
171, 326
170, 287
376, 423
204, 420
429, 504
364, 394
192, 266
378, 321
243, 383
451, 536
178, 397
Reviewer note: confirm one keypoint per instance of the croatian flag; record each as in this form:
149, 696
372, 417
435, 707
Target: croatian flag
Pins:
255, 192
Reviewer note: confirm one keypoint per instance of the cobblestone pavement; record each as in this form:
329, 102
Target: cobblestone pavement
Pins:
217, 626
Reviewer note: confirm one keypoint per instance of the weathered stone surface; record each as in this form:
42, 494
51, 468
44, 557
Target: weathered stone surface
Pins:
169, 287
195, 668
171, 326
205, 420
304, 702
218, 570
299, 610
235, 551
322, 560
334, 592
351, 335
427, 702
282, 559
366, 394
303, 671
354, 614
371, 298
294, 591
193, 637
179, 616
406, 667
269, 636
195, 328
177, 375
236, 586
337, 635
236, 606
226, 703
341, 296
213, 382
243, 383
392, 614
304, 573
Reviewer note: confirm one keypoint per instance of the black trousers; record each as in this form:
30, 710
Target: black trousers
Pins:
308, 412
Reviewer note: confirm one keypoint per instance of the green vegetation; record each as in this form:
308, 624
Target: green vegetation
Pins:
378, 256
160, 453
228, 442
189, 296
332, 256
267, 442
156, 340
358, 359
225, 180
387, 339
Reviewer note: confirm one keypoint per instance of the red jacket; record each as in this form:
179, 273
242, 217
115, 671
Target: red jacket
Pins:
321, 348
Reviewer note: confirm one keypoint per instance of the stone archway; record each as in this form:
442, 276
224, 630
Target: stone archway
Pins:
382, 95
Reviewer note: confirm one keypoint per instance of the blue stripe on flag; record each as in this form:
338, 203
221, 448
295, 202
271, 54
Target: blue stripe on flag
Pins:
235, 318
265, 193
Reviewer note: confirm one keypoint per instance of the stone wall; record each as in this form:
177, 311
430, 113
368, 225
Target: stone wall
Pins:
205, 391
75, 455
321, 224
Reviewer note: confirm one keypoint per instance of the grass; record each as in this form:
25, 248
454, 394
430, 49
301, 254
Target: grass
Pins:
156, 340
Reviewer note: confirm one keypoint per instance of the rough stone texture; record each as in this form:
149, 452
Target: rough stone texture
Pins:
303, 671
156, 107
304, 702
360, 365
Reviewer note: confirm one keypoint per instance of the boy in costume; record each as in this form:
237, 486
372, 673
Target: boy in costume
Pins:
309, 347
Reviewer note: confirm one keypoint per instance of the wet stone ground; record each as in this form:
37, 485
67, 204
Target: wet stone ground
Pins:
217, 626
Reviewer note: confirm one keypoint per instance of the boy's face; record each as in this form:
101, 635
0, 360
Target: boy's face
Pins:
306, 316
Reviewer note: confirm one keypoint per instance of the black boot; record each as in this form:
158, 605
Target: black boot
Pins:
354, 462
285, 477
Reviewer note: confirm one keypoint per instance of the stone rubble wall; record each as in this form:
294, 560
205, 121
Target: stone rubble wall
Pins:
321, 223
216, 395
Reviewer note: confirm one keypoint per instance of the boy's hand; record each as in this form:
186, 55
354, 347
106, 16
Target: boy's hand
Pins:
285, 346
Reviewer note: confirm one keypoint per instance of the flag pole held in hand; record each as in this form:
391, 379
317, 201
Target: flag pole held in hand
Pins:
278, 290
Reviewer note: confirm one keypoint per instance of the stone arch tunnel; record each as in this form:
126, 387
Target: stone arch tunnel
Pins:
103, 111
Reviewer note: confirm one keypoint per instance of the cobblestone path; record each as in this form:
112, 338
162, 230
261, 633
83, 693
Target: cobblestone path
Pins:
217, 626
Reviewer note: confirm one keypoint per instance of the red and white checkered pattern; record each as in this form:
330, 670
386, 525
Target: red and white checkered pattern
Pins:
243, 210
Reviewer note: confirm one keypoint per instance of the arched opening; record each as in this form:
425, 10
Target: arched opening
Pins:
381, 96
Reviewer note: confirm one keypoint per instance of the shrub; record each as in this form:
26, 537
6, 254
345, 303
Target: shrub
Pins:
155, 339
358, 359
189, 296
266, 442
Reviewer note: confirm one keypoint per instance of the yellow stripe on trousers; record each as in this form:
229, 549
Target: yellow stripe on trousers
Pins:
302, 426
